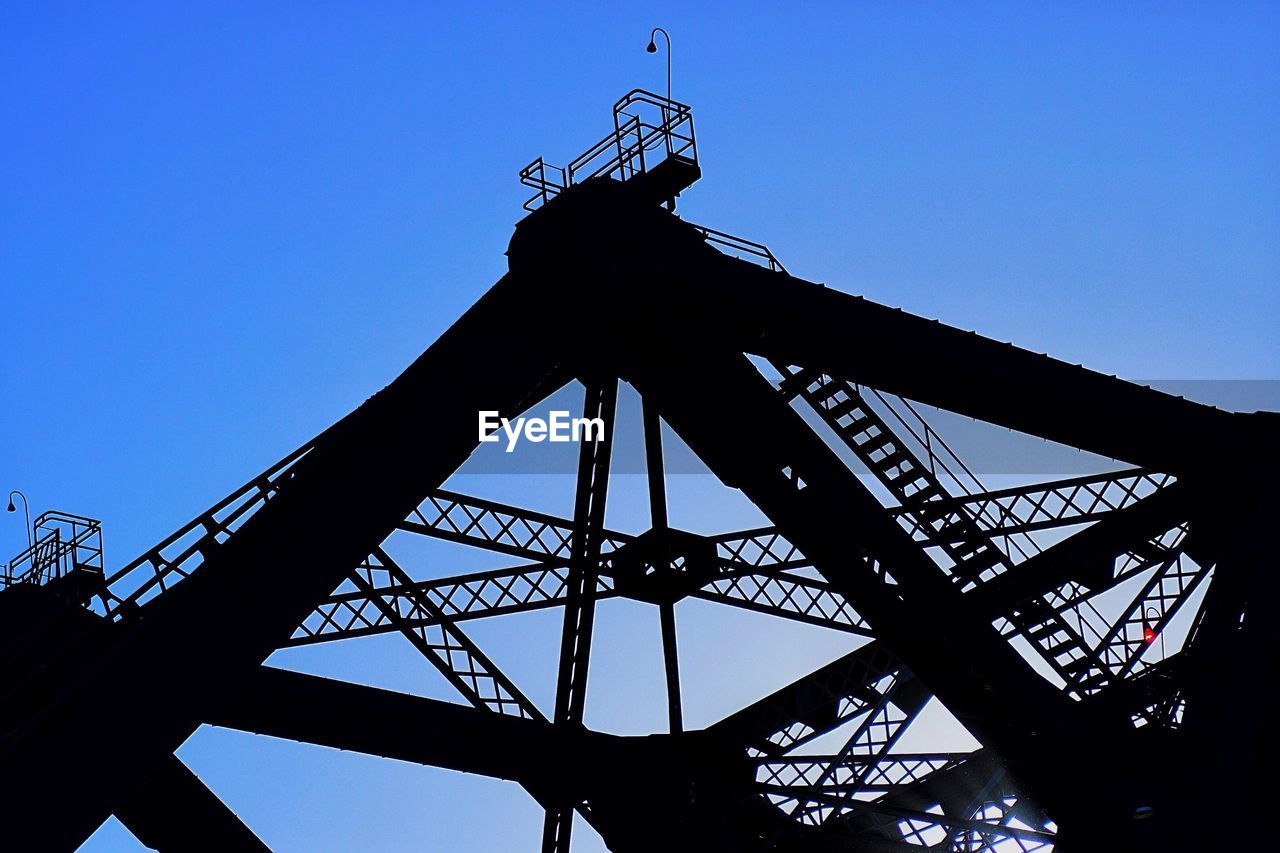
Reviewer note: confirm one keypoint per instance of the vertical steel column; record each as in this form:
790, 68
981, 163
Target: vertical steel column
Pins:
579, 616
658, 520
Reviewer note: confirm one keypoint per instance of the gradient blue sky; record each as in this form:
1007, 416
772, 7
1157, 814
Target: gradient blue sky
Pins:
225, 225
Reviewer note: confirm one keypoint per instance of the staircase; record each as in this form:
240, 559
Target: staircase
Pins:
950, 527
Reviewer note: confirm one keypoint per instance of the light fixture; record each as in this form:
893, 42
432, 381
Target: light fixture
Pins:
653, 48
26, 507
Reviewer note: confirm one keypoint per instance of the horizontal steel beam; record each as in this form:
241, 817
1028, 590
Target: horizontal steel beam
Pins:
638, 790
174, 812
374, 721
495, 526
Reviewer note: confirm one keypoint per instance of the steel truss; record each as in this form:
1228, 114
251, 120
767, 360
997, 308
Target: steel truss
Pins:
1045, 617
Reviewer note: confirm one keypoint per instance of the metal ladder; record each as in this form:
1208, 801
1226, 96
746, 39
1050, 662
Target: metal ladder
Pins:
951, 528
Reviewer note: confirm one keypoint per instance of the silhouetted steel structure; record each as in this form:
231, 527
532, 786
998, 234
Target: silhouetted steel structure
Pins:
1093, 736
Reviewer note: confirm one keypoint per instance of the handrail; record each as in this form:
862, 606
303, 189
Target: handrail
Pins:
632, 136
674, 114
37, 548
547, 188
155, 570
606, 142
613, 140
752, 249
929, 442
645, 96
58, 536
35, 554
59, 515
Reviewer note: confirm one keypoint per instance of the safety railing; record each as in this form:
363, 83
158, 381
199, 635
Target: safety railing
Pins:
62, 543
647, 130
548, 181
950, 470
183, 551
675, 122
747, 250
619, 155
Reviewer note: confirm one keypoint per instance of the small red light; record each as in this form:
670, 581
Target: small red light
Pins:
1148, 634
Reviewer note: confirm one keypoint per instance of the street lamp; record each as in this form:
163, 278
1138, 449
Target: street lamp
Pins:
26, 509
653, 48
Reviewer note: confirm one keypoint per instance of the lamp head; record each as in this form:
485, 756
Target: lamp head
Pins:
11, 508
652, 48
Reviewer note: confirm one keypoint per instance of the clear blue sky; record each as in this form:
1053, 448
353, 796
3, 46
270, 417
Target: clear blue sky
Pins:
224, 225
